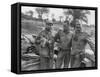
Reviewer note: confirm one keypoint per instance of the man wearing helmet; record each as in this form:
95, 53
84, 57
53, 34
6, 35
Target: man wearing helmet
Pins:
45, 43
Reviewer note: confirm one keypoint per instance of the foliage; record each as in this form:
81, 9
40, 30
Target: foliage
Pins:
77, 14
30, 12
60, 17
41, 11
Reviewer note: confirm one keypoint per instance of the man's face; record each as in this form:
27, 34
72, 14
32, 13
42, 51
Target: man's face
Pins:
66, 28
78, 28
48, 27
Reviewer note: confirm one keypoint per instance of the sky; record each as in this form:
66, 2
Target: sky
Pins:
58, 12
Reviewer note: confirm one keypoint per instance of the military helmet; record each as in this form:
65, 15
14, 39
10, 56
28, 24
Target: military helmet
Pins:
49, 23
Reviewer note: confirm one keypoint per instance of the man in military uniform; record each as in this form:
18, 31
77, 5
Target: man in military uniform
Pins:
63, 38
79, 42
45, 46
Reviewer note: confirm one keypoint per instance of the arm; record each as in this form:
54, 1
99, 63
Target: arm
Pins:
38, 38
91, 43
57, 37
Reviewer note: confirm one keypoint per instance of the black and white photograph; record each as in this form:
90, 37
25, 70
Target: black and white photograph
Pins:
57, 38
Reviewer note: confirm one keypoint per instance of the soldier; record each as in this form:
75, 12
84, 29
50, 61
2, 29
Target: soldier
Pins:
45, 44
79, 42
63, 38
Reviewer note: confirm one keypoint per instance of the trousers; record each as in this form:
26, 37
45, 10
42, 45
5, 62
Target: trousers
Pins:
44, 63
63, 59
